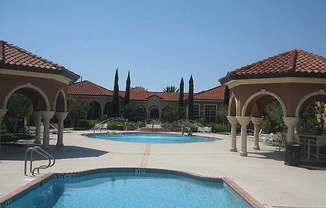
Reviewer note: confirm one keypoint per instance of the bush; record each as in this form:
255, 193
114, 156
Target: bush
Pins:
217, 127
11, 137
116, 125
86, 124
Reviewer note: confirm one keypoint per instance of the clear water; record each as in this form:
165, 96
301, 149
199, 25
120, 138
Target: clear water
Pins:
151, 138
126, 189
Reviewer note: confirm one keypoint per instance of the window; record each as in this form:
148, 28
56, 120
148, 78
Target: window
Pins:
196, 111
210, 112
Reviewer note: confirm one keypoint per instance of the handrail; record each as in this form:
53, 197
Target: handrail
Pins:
42, 152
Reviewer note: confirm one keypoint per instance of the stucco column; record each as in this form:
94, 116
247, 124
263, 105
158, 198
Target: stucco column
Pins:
233, 121
296, 128
256, 121
60, 117
291, 122
243, 121
2, 114
46, 115
38, 122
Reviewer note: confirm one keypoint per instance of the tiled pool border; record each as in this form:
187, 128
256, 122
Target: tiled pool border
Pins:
15, 195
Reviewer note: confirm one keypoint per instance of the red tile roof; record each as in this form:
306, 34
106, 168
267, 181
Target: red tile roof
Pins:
140, 94
87, 88
216, 93
14, 57
290, 63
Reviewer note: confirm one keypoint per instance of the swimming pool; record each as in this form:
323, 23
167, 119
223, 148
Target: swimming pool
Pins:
129, 187
151, 138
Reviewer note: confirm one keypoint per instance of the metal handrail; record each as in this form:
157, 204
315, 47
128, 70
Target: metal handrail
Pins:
42, 152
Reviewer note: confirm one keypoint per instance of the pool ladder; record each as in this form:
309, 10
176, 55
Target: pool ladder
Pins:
43, 153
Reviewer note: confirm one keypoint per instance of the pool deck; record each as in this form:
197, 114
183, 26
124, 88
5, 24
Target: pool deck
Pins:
262, 174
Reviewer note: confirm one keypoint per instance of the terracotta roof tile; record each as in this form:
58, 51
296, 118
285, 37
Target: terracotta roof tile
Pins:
216, 93
14, 57
87, 88
293, 63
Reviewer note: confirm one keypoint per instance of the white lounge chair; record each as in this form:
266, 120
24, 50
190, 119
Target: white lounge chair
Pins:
319, 142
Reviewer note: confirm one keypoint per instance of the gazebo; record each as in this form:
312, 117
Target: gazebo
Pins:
295, 78
42, 81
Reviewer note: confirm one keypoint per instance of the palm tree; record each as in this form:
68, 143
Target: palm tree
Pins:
170, 89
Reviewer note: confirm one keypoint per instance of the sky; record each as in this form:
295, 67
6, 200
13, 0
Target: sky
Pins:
162, 41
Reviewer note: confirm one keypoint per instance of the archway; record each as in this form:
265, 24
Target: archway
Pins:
94, 110
154, 112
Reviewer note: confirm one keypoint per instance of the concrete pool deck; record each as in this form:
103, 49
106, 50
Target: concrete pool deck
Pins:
262, 174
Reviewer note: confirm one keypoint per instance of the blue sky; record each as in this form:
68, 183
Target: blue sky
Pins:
162, 41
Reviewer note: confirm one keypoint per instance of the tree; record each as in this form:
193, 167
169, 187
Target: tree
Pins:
181, 111
19, 107
167, 114
191, 99
140, 87
77, 109
226, 95
115, 101
170, 89
127, 94
181, 89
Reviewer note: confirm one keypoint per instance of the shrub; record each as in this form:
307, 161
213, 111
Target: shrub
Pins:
86, 124
217, 127
116, 125
11, 137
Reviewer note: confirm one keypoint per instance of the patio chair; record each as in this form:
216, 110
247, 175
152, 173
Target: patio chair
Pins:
318, 143
279, 140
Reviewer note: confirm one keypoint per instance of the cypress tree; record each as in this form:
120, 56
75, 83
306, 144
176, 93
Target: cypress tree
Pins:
115, 100
127, 94
191, 99
180, 102
226, 95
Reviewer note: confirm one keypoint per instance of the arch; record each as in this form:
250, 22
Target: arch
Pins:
264, 92
94, 110
233, 105
154, 112
13, 90
60, 101
305, 98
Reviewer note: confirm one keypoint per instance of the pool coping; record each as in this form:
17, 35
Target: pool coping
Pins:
39, 181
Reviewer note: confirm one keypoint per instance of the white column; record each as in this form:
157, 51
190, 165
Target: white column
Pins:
2, 114
38, 119
46, 115
256, 121
243, 121
233, 121
60, 117
291, 122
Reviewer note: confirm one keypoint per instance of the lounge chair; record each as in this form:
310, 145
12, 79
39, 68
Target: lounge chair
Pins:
318, 143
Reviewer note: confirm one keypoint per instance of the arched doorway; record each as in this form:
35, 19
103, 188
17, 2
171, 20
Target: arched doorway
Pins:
94, 110
154, 112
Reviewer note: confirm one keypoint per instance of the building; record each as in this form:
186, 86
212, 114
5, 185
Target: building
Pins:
206, 103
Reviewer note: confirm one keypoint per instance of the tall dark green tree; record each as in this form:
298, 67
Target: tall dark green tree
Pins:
115, 101
191, 99
181, 92
127, 94
181, 109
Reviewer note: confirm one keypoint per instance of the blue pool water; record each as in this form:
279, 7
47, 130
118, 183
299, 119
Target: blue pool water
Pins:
151, 138
131, 189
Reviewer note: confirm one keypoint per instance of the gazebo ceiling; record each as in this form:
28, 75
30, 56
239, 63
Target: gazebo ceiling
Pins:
15, 58
293, 63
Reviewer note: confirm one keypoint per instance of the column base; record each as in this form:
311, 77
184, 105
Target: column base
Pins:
59, 145
256, 148
233, 149
45, 146
244, 154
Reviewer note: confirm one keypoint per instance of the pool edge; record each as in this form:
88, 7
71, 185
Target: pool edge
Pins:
9, 198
